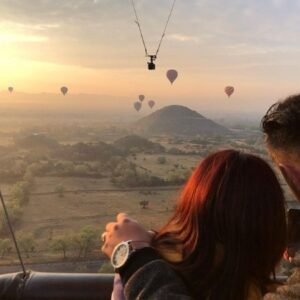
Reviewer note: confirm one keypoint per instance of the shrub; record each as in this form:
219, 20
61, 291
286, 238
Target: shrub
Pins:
161, 160
144, 204
60, 189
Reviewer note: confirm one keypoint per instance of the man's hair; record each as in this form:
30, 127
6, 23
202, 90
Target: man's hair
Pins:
281, 124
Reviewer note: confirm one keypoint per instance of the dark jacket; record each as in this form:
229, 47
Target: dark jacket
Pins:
156, 280
148, 277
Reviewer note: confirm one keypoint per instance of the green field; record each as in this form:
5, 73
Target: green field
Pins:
72, 189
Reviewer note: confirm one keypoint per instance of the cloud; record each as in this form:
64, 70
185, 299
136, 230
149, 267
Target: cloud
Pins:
93, 32
21, 38
183, 38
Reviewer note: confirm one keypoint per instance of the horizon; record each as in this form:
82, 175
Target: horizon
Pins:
115, 105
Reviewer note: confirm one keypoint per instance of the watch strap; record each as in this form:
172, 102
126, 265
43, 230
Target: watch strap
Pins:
137, 259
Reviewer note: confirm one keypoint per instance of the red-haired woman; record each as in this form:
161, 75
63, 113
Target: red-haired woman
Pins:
224, 241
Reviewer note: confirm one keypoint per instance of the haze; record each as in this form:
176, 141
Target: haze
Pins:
94, 48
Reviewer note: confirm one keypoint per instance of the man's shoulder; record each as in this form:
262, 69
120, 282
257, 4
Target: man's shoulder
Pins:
288, 291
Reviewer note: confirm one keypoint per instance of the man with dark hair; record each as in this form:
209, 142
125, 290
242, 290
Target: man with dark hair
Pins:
281, 125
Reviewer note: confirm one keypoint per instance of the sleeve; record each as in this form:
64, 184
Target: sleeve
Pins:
148, 277
118, 290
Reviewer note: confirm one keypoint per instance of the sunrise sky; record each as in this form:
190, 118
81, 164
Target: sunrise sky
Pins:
93, 46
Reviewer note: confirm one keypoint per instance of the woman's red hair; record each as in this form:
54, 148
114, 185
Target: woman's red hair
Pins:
230, 224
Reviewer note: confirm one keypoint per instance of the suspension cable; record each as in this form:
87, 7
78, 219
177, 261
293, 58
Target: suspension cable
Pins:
13, 235
166, 26
137, 21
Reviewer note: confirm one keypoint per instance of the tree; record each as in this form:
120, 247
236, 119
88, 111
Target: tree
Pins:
81, 170
85, 241
14, 211
5, 247
20, 192
61, 245
177, 177
144, 204
65, 167
60, 190
35, 168
127, 174
29, 178
161, 160
27, 244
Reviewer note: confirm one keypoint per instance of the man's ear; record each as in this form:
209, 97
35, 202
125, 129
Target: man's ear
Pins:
292, 177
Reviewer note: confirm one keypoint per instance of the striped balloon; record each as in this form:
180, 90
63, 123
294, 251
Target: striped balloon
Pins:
229, 90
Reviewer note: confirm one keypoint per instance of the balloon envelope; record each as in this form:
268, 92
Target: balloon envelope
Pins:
142, 98
172, 75
10, 89
137, 106
64, 90
151, 103
229, 90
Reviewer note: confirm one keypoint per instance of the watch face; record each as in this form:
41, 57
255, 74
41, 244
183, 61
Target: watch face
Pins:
120, 255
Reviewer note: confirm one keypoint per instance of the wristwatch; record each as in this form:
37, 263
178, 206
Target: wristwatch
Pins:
121, 254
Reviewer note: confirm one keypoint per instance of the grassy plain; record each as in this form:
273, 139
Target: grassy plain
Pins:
92, 201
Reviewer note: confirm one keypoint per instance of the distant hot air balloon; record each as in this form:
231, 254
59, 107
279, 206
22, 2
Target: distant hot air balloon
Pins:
229, 90
172, 75
151, 103
10, 89
137, 105
142, 98
64, 90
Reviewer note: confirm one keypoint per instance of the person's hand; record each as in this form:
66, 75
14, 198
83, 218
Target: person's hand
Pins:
124, 229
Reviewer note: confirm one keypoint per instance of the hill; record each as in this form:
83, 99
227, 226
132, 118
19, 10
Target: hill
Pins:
139, 143
36, 141
179, 120
88, 152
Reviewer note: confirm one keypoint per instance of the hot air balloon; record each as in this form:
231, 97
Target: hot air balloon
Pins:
151, 103
10, 89
64, 90
152, 57
172, 75
229, 90
142, 98
137, 105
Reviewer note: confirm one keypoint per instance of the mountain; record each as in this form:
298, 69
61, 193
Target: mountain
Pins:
179, 120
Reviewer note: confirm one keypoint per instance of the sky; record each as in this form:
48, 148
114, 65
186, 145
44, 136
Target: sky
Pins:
94, 47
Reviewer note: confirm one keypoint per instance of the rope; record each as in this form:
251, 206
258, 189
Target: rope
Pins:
137, 21
166, 26
13, 235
